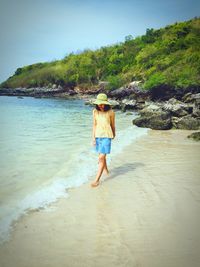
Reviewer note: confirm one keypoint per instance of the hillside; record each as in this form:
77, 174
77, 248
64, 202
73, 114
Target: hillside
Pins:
168, 57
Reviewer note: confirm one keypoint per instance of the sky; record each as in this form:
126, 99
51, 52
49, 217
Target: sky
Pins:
35, 31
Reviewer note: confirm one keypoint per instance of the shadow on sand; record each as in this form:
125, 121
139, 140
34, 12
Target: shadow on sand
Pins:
123, 169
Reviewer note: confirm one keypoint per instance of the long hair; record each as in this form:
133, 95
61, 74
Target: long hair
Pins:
106, 107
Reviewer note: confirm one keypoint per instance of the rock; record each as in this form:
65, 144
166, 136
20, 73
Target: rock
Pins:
72, 92
60, 87
140, 105
196, 108
102, 84
89, 102
49, 85
150, 109
90, 91
162, 93
195, 136
177, 108
139, 95
158, 120
54, 86
196, 111
120, 92
134, 83
174, 101
115, 104
187, 122
127, 104
189, 97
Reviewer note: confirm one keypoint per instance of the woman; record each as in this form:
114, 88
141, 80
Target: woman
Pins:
103, 132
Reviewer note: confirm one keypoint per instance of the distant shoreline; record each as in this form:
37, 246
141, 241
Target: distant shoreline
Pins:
172, 110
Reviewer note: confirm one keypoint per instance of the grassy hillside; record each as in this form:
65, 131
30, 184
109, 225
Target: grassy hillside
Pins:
169, 56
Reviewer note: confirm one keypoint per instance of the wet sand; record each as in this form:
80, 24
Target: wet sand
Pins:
145, 213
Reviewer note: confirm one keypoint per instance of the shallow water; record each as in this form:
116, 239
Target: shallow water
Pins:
45, 148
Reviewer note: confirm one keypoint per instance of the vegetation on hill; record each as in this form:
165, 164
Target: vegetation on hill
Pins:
169, 56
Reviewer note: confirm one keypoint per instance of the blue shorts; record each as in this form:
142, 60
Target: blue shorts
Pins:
103, 145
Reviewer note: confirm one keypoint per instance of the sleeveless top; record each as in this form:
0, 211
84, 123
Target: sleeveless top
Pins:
103, 127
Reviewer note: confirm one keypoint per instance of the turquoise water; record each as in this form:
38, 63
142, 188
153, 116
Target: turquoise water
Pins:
46, 148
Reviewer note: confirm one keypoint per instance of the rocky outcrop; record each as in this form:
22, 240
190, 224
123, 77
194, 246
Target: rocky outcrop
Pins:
159, 120
174, 113
131, 91
187, 122
195, 136
159, 108
177, 108
54, 90
127, 104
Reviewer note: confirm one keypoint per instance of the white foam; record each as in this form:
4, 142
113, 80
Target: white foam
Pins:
40, 199
68, 177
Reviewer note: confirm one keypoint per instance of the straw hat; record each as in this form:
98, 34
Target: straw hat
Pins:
101, 99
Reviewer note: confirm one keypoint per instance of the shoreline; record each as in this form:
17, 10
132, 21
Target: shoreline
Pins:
145, 213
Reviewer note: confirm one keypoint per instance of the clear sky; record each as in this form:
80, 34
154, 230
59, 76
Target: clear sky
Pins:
44, 30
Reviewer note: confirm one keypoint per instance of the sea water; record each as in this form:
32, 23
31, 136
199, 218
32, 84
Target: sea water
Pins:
46, 148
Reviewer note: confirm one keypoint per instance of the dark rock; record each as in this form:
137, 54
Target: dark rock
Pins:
187, 98
120, 92
127, 104
165, 92
177, 108
158, 120
196, 109
191, 98
140, 106
103, 84
150, 109
187, 122
195, 136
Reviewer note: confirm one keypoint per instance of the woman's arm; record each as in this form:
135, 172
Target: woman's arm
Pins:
112, 122
94, 126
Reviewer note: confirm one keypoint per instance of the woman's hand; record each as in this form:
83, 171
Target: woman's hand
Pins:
94, 142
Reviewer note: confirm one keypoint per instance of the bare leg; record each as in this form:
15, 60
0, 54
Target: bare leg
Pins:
105, 166
100, 170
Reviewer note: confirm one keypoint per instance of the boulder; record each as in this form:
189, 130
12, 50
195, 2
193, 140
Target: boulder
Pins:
103, 84
195, 136
189, 97
114, 103
140, 106
162, 93
120, 92
149, 109
127, 104
54, 86
196, 111
187, 122
158, 120
177, 108
134, 83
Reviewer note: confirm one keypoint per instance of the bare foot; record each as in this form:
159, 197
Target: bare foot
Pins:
94, 184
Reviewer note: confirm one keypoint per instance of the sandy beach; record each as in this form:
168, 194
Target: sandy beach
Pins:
145, 213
